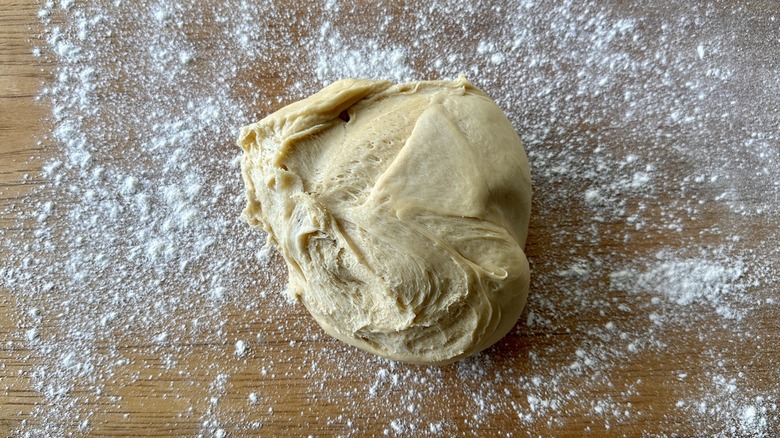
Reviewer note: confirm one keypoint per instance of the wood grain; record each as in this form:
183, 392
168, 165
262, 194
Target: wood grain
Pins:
21, 124
145, 397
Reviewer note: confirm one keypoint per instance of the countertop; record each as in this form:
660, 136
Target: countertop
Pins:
654, 298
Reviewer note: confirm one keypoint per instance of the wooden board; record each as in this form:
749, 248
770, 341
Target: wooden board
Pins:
148, 397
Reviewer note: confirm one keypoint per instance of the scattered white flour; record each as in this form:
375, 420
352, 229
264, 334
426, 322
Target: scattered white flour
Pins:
697, 280
648, 130
240, 348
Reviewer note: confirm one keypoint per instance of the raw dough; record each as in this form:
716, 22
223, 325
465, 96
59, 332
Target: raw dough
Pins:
401, 211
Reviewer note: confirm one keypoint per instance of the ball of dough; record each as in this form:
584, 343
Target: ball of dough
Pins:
401, 212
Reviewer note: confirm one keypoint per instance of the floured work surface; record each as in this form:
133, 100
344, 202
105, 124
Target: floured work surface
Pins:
134, 299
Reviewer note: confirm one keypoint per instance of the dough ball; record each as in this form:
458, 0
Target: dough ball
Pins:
401, 212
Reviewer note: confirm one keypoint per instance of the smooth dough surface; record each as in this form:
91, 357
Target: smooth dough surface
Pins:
401, 212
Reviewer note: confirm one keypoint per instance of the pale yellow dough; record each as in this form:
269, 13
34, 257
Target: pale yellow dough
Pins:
401, 211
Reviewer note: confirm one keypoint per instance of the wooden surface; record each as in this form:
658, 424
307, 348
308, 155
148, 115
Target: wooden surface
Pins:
151, 399
20, 119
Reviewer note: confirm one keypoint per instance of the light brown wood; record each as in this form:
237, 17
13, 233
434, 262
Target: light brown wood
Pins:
146, 398
20, 125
